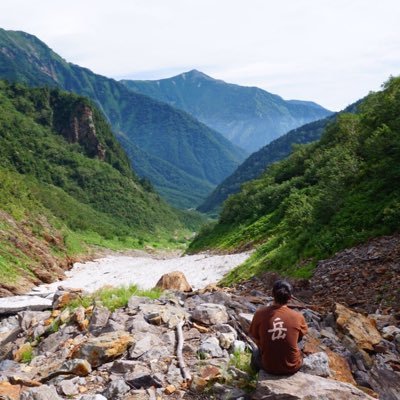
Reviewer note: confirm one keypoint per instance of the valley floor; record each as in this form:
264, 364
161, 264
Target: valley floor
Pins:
141, 268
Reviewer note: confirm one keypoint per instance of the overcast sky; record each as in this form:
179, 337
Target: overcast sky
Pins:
329, 51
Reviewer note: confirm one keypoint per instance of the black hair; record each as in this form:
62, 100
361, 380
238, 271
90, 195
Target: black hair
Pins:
282, 291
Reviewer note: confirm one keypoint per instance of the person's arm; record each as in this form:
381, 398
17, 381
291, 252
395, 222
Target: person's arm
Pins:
303, 327
253, 330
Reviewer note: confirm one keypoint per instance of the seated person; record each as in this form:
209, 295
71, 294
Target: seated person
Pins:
277, 329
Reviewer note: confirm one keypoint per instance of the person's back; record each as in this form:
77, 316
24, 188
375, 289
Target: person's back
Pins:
276, 329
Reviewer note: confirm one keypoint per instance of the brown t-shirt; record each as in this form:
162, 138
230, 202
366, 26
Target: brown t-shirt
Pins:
276, 329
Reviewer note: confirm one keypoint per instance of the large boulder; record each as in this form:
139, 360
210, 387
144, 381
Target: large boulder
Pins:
175, 280
360, 328
104, 348
301, 386
210, 314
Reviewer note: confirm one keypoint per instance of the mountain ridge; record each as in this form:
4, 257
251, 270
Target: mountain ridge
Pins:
248, 116
25, 58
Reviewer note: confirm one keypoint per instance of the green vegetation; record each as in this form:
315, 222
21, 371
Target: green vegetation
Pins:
258, 162
324, 197
241, 361
248, 116
65, 183
183, 158
113, 298
27, 354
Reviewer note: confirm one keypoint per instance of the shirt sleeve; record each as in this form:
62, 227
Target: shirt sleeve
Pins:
303, 327
253, 330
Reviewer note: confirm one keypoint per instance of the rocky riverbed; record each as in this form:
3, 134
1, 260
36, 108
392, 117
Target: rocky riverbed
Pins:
92, 354
193, 344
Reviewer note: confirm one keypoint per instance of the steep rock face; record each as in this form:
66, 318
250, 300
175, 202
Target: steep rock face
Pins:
81, 129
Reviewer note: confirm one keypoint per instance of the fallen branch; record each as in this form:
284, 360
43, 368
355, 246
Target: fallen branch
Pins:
184, 371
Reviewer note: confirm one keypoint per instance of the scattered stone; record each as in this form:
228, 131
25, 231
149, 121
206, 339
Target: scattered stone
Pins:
316, 364
211, 347
92, 397
99, 319
358, 327
68, 388
103, 348
43, 392
175, 280
9, 392
144, 381
116, 389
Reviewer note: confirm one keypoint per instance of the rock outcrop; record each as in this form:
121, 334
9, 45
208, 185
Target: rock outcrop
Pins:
301, 386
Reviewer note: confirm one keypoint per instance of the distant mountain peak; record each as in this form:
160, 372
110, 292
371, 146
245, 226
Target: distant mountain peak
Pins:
194, 74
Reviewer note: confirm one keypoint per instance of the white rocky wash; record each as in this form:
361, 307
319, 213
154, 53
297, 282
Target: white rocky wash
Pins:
145, 271
117, 270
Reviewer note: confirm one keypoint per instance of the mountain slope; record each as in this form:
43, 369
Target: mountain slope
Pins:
324, 197
257, 162
248, 116
65, 181
199, 155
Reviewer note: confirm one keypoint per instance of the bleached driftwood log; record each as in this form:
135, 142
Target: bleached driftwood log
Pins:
184, 371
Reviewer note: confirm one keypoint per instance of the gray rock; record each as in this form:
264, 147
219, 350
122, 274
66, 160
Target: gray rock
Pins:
226, 340
123, 366
245, 321
68, 388
29, 319
135, 301
99, 319
53, 342
390, 332
174, 375
143, 345
238, 346
92, 397
144, 381
225, 328
14, 304
163, 314
211, 347
210, 314
316, 364
116, 389
301, 386
43, 392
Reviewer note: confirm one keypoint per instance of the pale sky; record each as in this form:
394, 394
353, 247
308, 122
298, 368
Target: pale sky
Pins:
332, 52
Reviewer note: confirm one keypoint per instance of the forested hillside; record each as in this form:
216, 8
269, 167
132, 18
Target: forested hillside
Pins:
154, 133
257, 162
324, 197
248, 116
65, 182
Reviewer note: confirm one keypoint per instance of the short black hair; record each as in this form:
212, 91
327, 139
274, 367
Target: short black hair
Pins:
282, 291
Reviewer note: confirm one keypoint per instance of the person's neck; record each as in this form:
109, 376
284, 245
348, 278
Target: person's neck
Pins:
279, 304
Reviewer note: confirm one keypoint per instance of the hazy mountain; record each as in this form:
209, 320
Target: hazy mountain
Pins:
248, 116
149, 129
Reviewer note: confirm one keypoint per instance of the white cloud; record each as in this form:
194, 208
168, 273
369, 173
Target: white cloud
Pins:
332, 52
